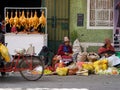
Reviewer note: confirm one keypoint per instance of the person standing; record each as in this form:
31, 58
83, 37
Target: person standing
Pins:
3, 42
118, 8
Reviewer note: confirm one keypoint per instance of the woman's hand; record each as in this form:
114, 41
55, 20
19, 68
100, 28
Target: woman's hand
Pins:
66, 53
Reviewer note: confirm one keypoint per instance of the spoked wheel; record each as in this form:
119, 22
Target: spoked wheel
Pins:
31, 68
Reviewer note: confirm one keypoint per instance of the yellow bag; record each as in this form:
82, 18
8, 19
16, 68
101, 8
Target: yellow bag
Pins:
100, 65
62, 71
4, 52
88, 66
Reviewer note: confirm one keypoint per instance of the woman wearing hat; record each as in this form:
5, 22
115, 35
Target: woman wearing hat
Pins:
64, 53
65, 49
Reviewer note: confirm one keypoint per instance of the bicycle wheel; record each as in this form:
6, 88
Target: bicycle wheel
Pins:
31, 68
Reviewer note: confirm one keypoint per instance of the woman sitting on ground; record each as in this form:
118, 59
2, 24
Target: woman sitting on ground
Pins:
107, 48
65, 49
64, 52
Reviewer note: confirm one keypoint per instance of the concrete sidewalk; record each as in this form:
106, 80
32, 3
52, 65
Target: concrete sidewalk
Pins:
91, 82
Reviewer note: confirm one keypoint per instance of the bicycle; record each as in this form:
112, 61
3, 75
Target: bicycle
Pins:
27, 65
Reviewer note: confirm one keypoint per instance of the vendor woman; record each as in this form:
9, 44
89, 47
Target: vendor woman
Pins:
106, 49
65, 49
64, 53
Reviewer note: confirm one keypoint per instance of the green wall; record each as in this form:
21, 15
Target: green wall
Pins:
80, 6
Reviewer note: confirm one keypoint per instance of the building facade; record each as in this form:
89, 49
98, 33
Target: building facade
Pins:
87, 20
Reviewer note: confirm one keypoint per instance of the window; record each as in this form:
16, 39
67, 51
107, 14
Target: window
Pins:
100, 14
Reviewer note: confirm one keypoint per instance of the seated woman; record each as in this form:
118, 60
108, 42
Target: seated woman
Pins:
106, 49
64, 52
65, 49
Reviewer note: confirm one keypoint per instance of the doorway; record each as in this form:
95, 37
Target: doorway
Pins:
57, 21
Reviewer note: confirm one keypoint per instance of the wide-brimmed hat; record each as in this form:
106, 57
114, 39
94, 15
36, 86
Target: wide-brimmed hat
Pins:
66, 39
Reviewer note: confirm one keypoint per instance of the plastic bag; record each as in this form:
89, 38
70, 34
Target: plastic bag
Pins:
100, 65
113, 60
30, 50
4, 52
88, 66
47, 72
109, 71
62, 71
76, 46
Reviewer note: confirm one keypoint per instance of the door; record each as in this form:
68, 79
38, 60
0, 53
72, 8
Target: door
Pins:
57, 21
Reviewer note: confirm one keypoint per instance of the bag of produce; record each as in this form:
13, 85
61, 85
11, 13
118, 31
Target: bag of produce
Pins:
47, 72
62, 71
76, 46
118, 70
88, 66
100, 65
4, 52
109, 71
113, 60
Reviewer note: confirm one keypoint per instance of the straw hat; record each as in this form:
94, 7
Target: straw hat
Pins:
66, 39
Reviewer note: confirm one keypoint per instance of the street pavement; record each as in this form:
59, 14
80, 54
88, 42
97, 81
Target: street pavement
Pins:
73, 82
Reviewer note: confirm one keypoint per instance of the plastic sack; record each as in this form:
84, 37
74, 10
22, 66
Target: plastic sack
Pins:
76, 46
100, 65
62, 71
30, 50
88, 66
4, 52
113, 60
109, 71
47, 72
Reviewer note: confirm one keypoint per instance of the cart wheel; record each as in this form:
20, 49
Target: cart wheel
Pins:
31, 68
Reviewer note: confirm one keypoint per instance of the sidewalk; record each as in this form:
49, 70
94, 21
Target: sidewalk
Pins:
91, 82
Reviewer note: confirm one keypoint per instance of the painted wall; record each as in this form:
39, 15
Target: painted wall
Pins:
85, 35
